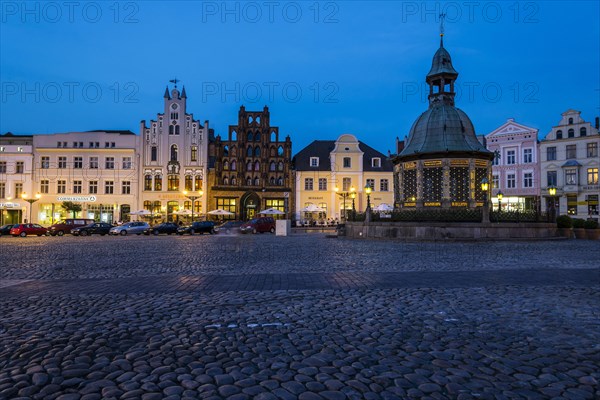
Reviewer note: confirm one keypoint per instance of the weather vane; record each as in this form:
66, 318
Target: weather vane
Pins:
175, 81
442, 17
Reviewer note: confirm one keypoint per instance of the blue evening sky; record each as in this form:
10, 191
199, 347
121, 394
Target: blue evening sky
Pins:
323, 68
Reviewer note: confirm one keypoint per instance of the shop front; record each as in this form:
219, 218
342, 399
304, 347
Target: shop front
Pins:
12, 213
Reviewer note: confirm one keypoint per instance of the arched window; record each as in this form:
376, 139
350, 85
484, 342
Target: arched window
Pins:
272, 181
257, 166
250, 137
174, 152
177, 129
583, 132
248, 181
233, 181
233, 151
570, 121
249, 151
272, 166
273, 137
280, 166
559, 134
225, 181
170, 129
256, 182
154, 153
257, 151
249, 166
257, 119
280, 181
571, 133
233, 136
226, 151
280, 151
225, 165
233, 165
257, 136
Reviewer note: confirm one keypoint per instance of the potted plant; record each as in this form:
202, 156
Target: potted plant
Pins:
579, 228
591, 229
565, 225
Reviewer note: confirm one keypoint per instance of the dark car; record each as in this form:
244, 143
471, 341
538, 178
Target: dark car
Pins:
229, 227
259, 225
27, 229
67, 225
99, 228
167, 227
5, 229
197, 227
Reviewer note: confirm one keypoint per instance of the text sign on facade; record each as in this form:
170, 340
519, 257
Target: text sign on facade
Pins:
88, 199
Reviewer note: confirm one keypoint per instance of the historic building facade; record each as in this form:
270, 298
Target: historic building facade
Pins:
515, 167
174, 158
97, 169
346, 164
16, 177
443, 163
570, 163
252, 168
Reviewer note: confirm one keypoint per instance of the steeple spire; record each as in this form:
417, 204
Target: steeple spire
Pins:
167, 95
442, 18
183, 95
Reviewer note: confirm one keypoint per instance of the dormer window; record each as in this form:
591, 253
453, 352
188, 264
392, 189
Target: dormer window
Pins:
570, 121
314, 161
376, 162
559, 134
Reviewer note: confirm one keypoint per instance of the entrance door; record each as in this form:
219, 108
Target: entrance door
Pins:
250, 206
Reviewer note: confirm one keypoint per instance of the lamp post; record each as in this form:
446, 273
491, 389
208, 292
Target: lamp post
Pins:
368, 209
193, 197
500, 197
485, 185
25, 197
353, 196
552, 193
344, 196
163, 210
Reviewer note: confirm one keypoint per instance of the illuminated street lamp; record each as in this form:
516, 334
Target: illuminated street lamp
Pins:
353, 196
552, 193
24, 196
344, 196
193, 197
485, 185
368, 209
500, 197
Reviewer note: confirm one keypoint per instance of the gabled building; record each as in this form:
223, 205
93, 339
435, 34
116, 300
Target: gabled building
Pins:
515, 167
16, 176
173, 153
345, 164
252, 168
570, 162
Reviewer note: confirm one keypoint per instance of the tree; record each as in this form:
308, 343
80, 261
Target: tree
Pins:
71, 207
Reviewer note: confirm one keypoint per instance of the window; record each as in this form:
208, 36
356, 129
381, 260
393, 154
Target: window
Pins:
173, 183
559, 134
2, 190
571, 133
75, 144
583, 132
93, 187
20, 149
20, 167
510, 157
58, 144
346, 184
308, 183
495, 181
571, 176
126, 187
233, 165
93, 162
249, 166
189, 183
347, 162
76, 187
592, 176
552, 178
376, 162
322, 183
280, 151
109, 163
249, 151
280, 166
528, 179
570, 121
257, 166
571, 151
197, 182
148, 182
384, 185
62, 162
371, 183
314, 161
272, 166
45, 162
551, 153
44, 186
112, 144
2, 167
158, 183
572, 204
18, 190
78, 162
126, 162
248, 181
174, 152
194, 154
256, 182
257, 151
153, 153
227, 204
106, 145
527, 156
250, 137
592, 150
61, 187
109, 187
511, 181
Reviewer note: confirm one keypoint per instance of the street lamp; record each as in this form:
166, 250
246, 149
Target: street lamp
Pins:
353, 196
552, 193
344, 196
193, 197
24, 196
485, 185
368, 209
500, 197
5, 207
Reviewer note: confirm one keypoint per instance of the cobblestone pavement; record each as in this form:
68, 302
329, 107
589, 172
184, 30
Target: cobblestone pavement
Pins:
302, 317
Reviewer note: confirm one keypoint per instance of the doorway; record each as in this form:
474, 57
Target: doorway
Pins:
250, 206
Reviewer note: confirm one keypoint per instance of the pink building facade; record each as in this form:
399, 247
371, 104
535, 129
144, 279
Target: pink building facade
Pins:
515, 169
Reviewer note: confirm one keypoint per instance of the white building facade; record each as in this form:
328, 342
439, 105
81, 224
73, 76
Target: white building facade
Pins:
16, 172
570, 162
174, 157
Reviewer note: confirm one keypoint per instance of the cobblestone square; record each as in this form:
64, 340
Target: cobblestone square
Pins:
300, 317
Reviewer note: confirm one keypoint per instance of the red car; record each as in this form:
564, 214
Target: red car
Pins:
27, 229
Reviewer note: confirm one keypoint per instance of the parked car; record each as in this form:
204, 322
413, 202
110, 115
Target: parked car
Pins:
229, 227
27, 229
197, 227
100, 228
67, 225
5, 229
129, 228
166, 227
259, 225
